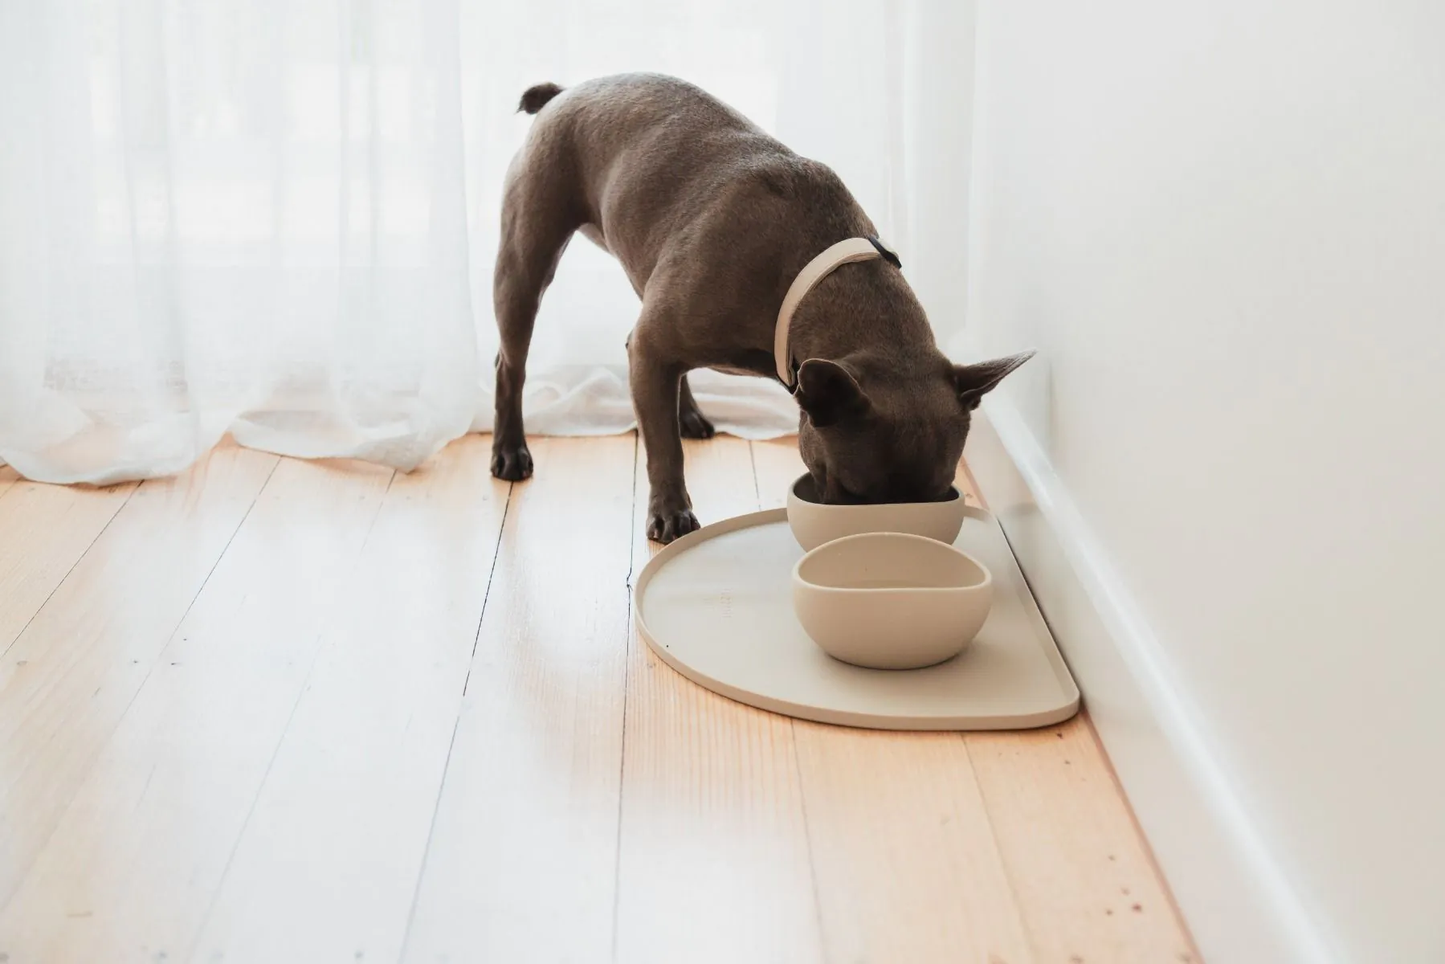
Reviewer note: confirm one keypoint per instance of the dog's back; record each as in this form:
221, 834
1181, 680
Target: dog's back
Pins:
646, 161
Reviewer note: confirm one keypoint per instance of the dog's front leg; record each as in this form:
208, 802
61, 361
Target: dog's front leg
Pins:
656, 382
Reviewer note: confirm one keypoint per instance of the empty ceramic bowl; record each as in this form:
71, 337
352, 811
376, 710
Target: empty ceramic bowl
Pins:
814, 523
888, 600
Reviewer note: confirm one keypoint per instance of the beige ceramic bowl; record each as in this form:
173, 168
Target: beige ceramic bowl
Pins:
814, 523
887, 600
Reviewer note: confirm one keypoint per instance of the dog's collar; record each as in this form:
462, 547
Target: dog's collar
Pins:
844, 252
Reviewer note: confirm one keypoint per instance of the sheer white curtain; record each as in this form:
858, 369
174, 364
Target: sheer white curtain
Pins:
277, 218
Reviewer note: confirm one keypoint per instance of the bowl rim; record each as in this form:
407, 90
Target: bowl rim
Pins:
953, 493
799, 580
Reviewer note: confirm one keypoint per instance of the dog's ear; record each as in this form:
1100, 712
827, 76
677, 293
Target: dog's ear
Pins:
829, 393
974, 381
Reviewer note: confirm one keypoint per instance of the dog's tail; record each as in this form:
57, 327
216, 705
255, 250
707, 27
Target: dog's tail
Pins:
537, 97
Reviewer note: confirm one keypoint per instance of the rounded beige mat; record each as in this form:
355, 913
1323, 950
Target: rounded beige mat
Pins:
717, 606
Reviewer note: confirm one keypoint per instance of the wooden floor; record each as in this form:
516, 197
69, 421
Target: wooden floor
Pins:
281, 711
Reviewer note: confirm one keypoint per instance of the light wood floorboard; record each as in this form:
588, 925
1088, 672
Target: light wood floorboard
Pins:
714, 848
70, 676
275, 711
328, 861
44, 531
135, 858
523, 856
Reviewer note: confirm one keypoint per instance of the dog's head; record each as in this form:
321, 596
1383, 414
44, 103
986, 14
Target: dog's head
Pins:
870, 435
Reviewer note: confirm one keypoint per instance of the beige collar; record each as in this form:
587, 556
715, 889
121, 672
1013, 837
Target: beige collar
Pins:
844, 252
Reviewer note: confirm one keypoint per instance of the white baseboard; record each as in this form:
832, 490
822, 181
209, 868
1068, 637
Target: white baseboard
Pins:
1233, 894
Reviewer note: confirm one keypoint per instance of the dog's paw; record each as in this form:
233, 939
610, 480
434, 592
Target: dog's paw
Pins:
512, 463
695, 425
665, 525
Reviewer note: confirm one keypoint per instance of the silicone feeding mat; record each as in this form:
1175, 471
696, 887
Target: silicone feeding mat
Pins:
717, 607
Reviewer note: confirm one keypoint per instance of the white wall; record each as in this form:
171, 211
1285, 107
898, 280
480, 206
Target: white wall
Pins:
1223, 224
936, 57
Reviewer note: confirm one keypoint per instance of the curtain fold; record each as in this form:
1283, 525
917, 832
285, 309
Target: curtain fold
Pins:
277, 219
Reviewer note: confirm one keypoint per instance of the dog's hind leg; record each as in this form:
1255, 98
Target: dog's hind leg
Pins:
691, 420
537, 223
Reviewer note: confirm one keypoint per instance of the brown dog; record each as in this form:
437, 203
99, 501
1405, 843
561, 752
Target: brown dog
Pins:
713, 220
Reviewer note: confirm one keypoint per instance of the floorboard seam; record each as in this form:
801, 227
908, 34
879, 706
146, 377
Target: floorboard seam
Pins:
456, 726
